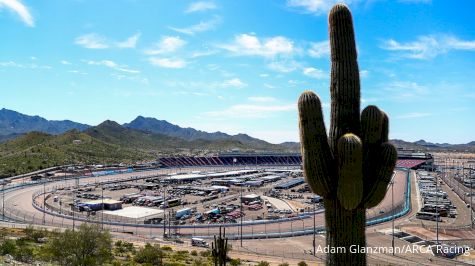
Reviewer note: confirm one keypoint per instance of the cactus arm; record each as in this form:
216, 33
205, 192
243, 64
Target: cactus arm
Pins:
385, 169
317, 157
345, 82
371, 132
372, 125
350, 171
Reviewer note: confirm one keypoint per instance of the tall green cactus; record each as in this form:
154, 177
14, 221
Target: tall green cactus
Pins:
220, 248
352, 167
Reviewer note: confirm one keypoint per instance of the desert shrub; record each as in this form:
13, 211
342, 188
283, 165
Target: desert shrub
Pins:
149, 254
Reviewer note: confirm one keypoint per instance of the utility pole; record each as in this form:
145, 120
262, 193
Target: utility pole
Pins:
164, 215
471, 194
437, 207
3, 200
44, 201
102, 206
392, 203
242, 214
314, 237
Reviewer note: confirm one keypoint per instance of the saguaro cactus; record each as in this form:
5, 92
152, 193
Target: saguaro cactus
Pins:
220, 248
351, 168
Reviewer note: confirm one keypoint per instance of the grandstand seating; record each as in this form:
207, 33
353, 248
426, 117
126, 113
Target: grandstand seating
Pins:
250, 159
231, 160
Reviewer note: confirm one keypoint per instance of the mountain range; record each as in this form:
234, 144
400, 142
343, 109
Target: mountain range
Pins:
147, 133
50, 143
13, 124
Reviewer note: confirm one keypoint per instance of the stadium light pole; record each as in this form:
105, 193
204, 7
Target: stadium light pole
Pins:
392, 203
102, 206
242, 213
314, 237
471, 194
164, 215
3, 201
437, 208
44, 201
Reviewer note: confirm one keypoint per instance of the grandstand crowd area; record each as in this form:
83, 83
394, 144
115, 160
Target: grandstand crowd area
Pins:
404, 160
236, 160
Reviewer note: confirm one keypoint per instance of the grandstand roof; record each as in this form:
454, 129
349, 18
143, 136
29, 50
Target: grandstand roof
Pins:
232, 173
290, 183
186, 177
409, 163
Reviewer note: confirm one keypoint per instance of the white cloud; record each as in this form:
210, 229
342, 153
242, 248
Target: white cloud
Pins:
92, 41
25, 66
429, 46
317, 7
269, 86
131, 78
263, 75
415, 1
314, 73
251, 111
235, 82
321, 7
20, 9
168, 44
247, 44
168, 62
404, 90
261, 99
113, 65
364, 73
200, 27
77, 72
131, 42
65, 62
413, 115
96, 41
284, 66
203, 53
319, 49
200, 6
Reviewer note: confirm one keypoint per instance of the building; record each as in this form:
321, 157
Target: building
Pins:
250, 198
290, 184
97, 205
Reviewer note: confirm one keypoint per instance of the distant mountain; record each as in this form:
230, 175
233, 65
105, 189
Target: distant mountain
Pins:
291, 145
144, 138
113, 133
163, 127
13, 123
38, 150
422, 145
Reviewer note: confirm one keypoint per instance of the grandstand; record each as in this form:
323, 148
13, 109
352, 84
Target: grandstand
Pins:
415, 160
405, 160
233, 159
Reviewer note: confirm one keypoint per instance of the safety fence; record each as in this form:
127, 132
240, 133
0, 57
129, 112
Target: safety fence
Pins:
283, 227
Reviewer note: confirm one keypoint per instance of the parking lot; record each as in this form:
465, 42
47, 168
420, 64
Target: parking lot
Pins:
200, 197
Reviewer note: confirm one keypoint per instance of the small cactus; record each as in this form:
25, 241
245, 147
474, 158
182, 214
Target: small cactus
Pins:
220, 248
352, 167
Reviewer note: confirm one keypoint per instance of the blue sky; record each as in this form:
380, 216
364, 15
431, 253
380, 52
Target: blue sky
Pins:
236, 66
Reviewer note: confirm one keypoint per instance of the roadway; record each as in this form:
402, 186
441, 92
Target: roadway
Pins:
18, 204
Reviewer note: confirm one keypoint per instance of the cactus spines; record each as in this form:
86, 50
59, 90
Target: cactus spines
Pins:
220, 248
352, 167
